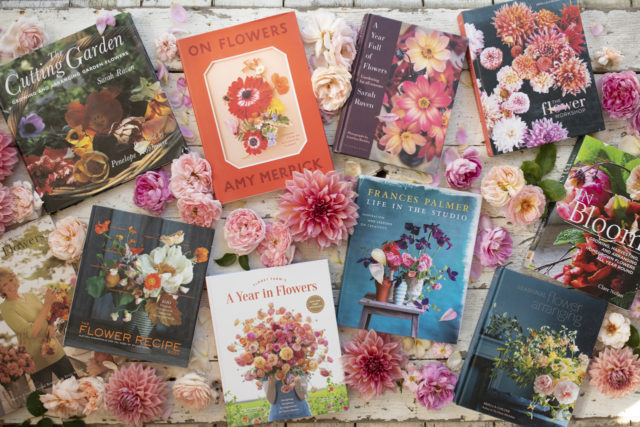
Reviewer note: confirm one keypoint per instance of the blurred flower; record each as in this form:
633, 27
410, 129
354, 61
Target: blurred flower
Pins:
411, 377
8, 155
199, 209
493, 244
440, 350
526, 207
437, 386
152, 191
244, 230
476, 40
501, 183
65, 399
25, 202
193, 391
566, 392
275, 249
543, 384
615, 330
166, 48
93, 390
23, 36
428, 51
509, 133
631, 144
30, 126
190, 173
415, 346
620, 94
6, 211
462, 171
104, 20
332, 86
615, 372
544, 131
609, 56
634, 310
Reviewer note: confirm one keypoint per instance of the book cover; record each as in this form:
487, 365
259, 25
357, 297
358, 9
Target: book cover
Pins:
404, 82
408, 260
277, 343
35, 293
589, 239
531, 73
88, 113
139, 286
530, 351
256, 111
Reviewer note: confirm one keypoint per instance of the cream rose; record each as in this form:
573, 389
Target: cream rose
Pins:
332, 86
67, 240
501, 183
23, 36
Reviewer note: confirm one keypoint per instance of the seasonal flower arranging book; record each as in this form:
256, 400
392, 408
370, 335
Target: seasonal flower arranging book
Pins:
254, 104
408, 260
277, 343
139, 286
88, 113
404, 82
531, 73
530, 351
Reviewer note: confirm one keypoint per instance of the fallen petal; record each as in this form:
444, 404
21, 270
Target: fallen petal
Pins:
596, 29
461, 136
450, 314
178, 13
450, 154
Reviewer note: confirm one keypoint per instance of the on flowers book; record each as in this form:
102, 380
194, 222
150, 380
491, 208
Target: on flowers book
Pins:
139, 286
531, 73
409, 259
88, 113
256, 110
277, 342
404, 82
589, 240
530, 351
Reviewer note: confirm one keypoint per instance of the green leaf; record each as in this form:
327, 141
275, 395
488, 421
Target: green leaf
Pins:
243, 260
34, 405
636, 351
45, 422
74, 423
25, 423
532, 172
634, 338
96, 286
620, 206
625, 300
110, 263
121, 299
553, 190
546, 158
226, 260
570, 235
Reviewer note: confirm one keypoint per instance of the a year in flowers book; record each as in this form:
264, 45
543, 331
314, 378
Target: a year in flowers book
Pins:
530, 351
139, 286
409, 259
88, 113
277, 342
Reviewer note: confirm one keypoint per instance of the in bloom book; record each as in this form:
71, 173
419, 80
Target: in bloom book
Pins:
277, 342
139, 286
404, 81
35, 294
88, 113
530, 351
409, 259
590, 238
531, 73
254, 104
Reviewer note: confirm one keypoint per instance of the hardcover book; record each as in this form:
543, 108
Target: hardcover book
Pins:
277, 343
404, 82
530, 351
88, 113
590, 238
139, 286
408, 260
35, 293
531, 73
254, 104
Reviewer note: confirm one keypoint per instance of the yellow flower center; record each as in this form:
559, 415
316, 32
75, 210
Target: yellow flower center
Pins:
405, 136
427, 52
165, 268
424, 102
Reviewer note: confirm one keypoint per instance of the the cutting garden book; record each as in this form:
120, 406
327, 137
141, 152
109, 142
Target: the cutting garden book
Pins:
88, 113
256, 110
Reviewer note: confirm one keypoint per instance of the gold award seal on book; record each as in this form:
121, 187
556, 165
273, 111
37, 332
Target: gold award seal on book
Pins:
315, 304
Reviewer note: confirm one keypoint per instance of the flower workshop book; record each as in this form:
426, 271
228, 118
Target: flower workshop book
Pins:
530, 351
256, 111
277, 343
590, 239
531, 73
408, 260
404, 82
88, 113
139, 286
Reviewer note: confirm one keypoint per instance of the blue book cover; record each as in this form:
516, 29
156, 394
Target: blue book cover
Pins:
530, 351
409, 259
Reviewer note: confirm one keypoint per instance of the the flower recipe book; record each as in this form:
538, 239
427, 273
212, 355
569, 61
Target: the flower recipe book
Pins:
404, 82
277, 343
256, 111
408, 260
139, 286
530, 351
531, 73
590, 239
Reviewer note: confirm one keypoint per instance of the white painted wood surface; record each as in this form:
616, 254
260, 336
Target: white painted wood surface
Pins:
622, 25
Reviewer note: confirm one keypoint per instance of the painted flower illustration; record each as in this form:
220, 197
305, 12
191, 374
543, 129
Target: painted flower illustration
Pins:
249, 96
30, 126
254, 142
428, 51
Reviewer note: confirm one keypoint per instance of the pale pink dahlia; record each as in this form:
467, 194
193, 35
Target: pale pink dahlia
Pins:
319, 207
6, 208
8, 155
491, 58
547, 43
572, 76
514, 23
615, 372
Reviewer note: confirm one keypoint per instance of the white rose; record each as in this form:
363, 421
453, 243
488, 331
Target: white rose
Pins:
615, 330
332, 86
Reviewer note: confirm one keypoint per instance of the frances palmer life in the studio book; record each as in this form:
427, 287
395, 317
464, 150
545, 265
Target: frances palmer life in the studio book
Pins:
408, 260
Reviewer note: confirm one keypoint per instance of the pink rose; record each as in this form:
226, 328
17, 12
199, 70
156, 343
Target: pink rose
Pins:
493, 244
543, 384
566, 392
166, 48
25, 202
425, 259
407, 260
23, 36
67, 240
461, 171
152, 191
190, 173
244, 230
526, 207
436, 286
620, 94
275, 249
199, 209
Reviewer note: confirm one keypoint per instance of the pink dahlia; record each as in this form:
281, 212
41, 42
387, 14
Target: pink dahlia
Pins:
152, 191
8, 155
572, 76
422, 100
6, 208
615, 372
491, 58
547, 43
319, 207
514, 23
620, 94
437, 386
373, 363
136, 395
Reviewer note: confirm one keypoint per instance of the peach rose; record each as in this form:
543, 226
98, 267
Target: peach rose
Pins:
525, 207
543, 384
94, 390
25, 202
166, 47
332, 86
67, 240
64, 400
501, 183
244, 230
199, 209
193, 391
23, 36
566, 392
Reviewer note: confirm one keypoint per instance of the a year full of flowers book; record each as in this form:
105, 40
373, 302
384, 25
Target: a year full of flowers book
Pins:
531, 73
254, 104
139, 286
409, 259
404, 82
88, 113
530, 351
277, 342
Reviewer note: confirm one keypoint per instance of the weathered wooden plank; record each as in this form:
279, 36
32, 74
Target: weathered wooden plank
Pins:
24, 4
605, 4
248, 3
396, 4
302, 4
99, 4
456, 4
185, 3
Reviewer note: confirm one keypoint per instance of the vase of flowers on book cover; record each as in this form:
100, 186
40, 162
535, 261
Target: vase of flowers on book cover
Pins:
16, 364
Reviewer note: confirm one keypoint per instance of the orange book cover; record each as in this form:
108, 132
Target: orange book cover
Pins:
256, 111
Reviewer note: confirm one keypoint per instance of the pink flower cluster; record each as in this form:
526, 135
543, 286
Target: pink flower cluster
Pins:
14, 362
621, 98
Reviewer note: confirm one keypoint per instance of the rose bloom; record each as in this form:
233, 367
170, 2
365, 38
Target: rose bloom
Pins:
543, 384
633, 183
493, 246
199, 209
332, 86
25, 202
437, 386
244, 230
65, 399
67, 240
526, 206
461, 172
620, 94
501, 183
275, 249
615, 330
190, 173
152, 191
566, 392
23, 36
166, 48
193, 391
94, 390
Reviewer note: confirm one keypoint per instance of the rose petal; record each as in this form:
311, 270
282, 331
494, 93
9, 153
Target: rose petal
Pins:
163, 72
450, 154
187, 132
450, 314
101, 24
461, 136
176, 30
388, 117
485, 223
476, 269
596, 29
178, 13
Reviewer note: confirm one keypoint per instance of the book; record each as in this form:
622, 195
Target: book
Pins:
409, 259
256, 111
530, 351
403, 86
139, 286
35, 294
277, 342
531, 73
88, 113
589, 239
